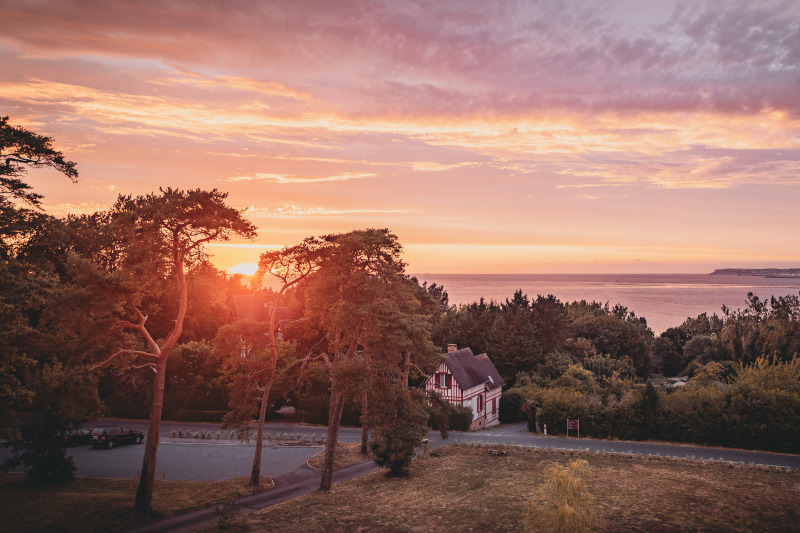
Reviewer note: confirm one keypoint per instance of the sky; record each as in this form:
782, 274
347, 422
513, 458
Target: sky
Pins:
550, 136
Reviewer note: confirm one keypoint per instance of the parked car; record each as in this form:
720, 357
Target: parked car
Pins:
77, 436
108, 437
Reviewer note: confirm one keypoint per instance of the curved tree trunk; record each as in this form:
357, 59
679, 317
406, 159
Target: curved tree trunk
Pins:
144, 493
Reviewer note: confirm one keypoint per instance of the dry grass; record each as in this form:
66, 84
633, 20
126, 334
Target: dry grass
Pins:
467, 489
347, 453
92, 504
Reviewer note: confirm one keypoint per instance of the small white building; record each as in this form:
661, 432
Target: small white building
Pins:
470, 380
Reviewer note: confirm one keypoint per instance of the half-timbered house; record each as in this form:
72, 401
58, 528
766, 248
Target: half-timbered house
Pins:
471, 380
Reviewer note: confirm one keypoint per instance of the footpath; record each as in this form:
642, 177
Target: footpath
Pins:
303, 480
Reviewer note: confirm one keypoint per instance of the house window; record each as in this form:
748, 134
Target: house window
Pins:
494, 405
480, 403
443, 381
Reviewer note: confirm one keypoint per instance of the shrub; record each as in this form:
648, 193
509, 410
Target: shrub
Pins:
399, 427
460, 418
563, 504
511, 403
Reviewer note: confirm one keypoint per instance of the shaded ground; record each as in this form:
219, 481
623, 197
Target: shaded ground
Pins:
90, 504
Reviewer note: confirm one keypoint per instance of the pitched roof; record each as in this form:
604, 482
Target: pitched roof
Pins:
470, 370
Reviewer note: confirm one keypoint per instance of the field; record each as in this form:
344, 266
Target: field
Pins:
451, 489
467, 489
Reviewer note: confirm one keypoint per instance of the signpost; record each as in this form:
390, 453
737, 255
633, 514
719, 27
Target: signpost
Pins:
574, 424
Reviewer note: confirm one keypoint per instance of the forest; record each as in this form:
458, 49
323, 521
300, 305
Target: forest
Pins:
120, 313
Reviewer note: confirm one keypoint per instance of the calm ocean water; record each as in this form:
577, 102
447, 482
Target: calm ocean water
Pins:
665, 300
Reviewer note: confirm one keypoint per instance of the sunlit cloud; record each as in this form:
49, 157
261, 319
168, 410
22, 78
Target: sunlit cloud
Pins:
248, 269
529, 122
80, 208
300, 211
282, 178
440, 167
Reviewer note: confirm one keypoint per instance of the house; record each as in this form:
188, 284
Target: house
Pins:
470, 380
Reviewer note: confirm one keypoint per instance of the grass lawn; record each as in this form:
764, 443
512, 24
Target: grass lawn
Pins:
92, 504
467, 489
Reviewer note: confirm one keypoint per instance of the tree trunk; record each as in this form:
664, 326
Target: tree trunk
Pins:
334, 420
364, 425
144, 493
255, 473
406, 367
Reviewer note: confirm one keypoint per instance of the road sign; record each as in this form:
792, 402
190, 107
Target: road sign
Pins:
574, 424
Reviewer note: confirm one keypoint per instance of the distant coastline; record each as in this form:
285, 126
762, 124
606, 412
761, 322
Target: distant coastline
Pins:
761, 272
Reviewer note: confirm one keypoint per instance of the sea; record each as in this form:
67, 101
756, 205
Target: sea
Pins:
664, 300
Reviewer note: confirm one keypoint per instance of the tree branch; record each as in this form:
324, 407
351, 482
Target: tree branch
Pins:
120, 352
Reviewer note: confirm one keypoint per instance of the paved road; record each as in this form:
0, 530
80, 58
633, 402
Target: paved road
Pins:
517, 434
215, 459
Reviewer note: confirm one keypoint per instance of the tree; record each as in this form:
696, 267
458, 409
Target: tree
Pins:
20, 150
290, 266
352, 285
26, 285
400, 423
63, 397
163, 235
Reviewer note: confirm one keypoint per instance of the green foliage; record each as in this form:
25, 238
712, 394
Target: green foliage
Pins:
544, 336
511, 403
398, 428
460, 418
603, 366
563, 504
445, 416
63, 397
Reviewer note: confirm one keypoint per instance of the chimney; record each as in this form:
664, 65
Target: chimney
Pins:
452, 348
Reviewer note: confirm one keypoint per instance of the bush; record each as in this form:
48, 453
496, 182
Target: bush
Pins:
511, 407
399, 427
460, 418
563, 504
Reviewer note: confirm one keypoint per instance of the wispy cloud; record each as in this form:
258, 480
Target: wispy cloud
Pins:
440, 167
291, 178
80, 208
287, 211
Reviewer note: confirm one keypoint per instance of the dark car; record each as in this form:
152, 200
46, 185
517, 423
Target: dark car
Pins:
108, 437
77, 436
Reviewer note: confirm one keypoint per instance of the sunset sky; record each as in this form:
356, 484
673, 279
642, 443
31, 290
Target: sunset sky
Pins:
508, 136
